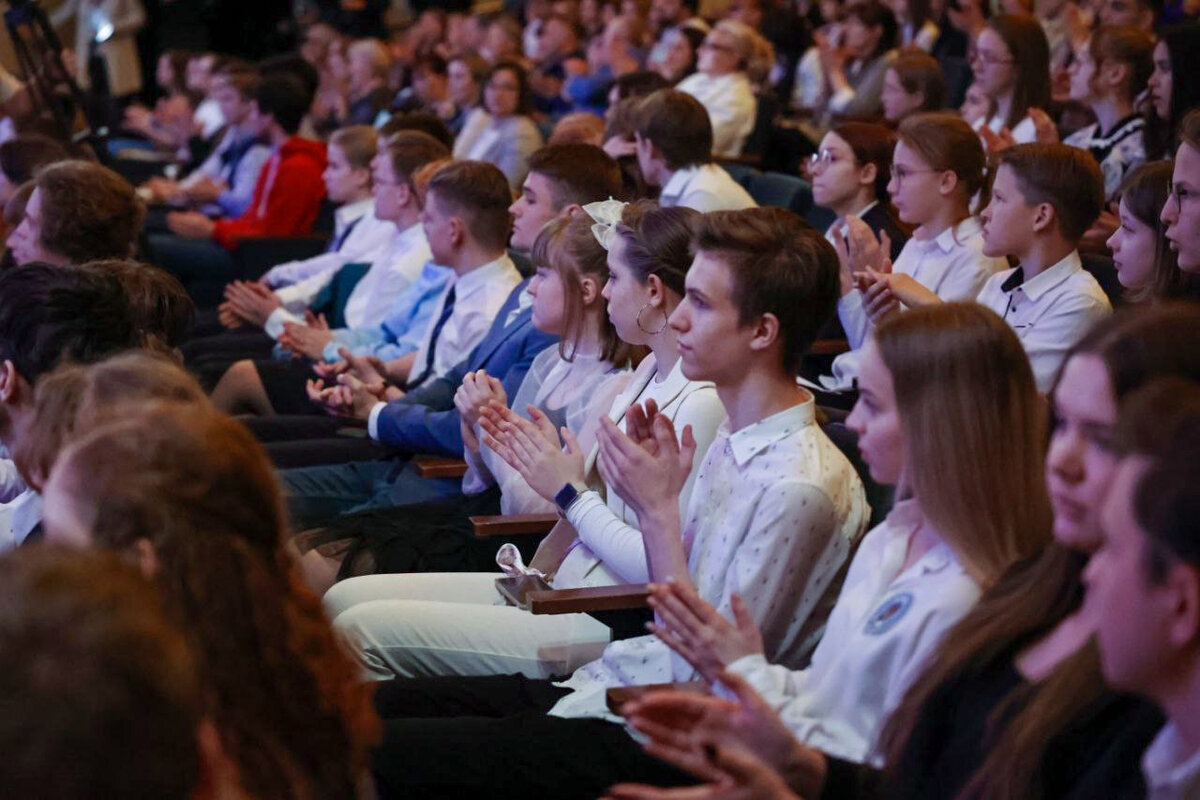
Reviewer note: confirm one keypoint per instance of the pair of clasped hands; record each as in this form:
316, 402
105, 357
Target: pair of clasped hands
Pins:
739, 748
866, 266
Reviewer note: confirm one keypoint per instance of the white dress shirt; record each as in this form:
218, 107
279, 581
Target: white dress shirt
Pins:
18, 518
705, 187
881, 632
731, 105
774, 514
951, 265
1023, 133
610, 549
1050, 312
478, 294
364, 241
1171, 770
11, 482
394, 266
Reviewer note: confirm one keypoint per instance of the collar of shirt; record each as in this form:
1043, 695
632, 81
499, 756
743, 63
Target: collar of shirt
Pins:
409, 237
842, 224
348, 213
476, 279
1037, 286
751, 440
955, 235
1171, 771
677, 184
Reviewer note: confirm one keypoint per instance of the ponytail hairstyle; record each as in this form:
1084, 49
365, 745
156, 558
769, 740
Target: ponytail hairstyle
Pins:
197, 487
1129, 45
1145, 192
1136, 345
946, 143
567, 245
658, 241
1026, 42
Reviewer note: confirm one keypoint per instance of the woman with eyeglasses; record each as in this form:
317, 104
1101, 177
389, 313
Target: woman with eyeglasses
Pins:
1011, 62
937, 168
501, 132
731, 60
850, 175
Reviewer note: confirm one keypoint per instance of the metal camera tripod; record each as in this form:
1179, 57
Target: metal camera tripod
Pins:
52, 89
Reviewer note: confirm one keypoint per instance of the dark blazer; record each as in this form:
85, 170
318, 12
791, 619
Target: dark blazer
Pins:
426, 421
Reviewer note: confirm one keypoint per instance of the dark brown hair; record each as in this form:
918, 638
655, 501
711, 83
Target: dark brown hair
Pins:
1189, 131
1135, 345
567, 245
1145, 192
88, 211
578, 173
524, 92
479, 193
658, 241
160, 309
23, 156
780, 266
1063, 176
286, 701
677, 124
411, 150
100, 697
1026, 42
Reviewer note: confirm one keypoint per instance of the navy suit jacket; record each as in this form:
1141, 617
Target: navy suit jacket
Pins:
426, 421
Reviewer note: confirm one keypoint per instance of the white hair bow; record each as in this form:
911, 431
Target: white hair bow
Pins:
605, 216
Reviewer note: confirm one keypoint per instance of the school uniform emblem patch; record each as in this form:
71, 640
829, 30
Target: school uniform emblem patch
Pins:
888, 614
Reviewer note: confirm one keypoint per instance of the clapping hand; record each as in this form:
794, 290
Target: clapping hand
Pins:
251, 301
350, 397
477, 391
533, 448
859, 251
735, 774
648, 466
697, 631
309, 339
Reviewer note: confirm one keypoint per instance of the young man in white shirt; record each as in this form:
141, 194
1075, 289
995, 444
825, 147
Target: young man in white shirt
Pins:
774, 513
1181, 214
674, 142
1143, 586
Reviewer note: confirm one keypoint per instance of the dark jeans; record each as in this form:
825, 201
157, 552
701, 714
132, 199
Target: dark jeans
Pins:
201, 265
491, 737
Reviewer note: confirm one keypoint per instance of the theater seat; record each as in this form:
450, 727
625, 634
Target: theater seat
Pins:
777, 190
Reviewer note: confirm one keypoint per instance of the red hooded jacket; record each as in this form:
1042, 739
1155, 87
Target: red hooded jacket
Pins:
287, 197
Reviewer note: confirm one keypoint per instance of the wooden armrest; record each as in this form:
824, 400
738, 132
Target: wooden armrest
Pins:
829, 347
598, 598
618, 696
434, 467
513, 524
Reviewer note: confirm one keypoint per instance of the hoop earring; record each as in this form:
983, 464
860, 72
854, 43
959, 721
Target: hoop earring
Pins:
642, 327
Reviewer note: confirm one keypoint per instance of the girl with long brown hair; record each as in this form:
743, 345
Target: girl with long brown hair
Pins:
190, 495
1011, 62
1012, 704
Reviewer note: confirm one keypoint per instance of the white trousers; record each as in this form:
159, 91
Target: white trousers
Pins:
426, 624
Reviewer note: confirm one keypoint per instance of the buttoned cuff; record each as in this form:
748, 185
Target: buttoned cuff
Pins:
373, 420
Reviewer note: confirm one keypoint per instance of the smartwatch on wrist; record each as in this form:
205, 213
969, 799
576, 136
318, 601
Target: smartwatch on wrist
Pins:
567, 495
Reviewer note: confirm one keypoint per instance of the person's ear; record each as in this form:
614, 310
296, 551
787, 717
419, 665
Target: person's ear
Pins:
867, 174
571, 210
1045, 217
947, 183
766, 332
10, 389
364, 177
458, 231
1182, 587
145, 557
590, 288
656, 290
1115, 74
